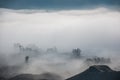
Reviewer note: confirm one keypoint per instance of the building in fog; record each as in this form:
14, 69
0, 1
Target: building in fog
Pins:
76, 53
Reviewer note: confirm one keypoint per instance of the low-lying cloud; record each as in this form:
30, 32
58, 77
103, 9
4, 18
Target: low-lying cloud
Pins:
95, 32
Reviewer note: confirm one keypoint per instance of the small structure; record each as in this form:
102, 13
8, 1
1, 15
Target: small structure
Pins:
26, 59
52, 50
76, 52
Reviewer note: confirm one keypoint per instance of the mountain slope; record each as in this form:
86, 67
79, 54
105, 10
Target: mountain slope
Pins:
97, 72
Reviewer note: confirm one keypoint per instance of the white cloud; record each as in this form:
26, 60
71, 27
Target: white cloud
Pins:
95, 30
74, 28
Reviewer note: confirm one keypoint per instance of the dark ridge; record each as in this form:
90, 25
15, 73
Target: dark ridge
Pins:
45, 76
99, 68
2, 78
97, 72
23, 77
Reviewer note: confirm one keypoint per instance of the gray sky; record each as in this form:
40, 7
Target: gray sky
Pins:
58, 4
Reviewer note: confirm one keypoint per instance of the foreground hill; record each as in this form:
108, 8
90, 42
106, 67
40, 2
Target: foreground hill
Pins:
45, 76
97, 72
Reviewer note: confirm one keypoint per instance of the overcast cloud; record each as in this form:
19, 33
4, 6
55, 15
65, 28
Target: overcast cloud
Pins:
65, 29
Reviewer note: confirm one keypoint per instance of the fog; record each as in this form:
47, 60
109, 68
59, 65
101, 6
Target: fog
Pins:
96, 32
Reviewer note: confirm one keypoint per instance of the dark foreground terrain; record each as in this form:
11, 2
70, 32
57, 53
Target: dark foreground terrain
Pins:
96, 72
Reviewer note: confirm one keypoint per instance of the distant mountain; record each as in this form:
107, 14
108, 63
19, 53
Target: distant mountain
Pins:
97, 72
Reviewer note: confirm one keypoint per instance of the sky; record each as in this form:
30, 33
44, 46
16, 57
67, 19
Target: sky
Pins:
91, 25
57, 4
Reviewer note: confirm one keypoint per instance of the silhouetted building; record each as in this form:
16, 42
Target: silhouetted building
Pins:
26, 59
76, 52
